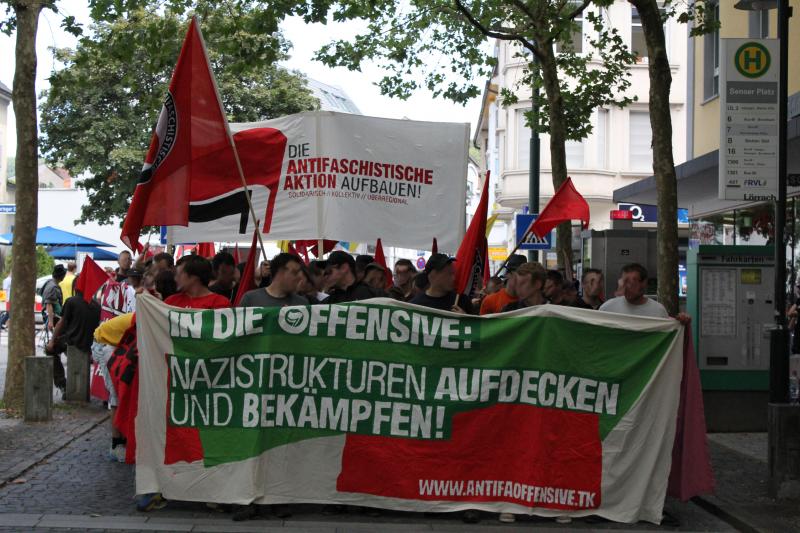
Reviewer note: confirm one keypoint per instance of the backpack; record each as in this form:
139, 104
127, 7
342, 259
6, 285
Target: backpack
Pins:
40, 290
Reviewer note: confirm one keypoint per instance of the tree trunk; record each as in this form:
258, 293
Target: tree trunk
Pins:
23, 268
558, 136
663, 164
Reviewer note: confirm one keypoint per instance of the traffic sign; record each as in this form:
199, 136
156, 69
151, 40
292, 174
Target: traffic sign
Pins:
748, 152
531, 242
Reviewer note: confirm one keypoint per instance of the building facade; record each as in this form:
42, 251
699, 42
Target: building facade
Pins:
713, 220
617, 153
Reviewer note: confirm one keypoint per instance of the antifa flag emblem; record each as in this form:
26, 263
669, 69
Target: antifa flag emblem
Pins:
476, 274
163, 139
232, 204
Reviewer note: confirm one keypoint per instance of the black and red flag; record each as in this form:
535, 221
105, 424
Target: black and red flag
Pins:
190, 172
471, 259
191, 126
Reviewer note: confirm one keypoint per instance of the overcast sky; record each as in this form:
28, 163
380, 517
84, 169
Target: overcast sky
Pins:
306, 40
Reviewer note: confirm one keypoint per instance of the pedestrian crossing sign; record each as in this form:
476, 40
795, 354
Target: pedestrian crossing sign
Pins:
527, 239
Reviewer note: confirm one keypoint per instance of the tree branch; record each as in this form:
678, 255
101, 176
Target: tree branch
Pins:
502, 35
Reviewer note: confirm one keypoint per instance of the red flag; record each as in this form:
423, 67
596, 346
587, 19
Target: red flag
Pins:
206, 249
191, 130
565, 205
471, 255
434, 247
236, 257
381, 260
248, 279
90, 279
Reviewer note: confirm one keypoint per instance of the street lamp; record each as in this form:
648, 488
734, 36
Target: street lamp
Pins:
780, 464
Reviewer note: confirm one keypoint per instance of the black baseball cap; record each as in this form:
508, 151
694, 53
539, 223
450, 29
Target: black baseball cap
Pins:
134, 273
438, 262
515, 261
374, 266
363, 260
337, 258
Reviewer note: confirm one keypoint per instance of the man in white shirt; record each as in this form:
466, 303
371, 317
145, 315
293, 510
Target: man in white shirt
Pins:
633, 301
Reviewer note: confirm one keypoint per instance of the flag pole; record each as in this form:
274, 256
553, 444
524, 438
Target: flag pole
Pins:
230, 139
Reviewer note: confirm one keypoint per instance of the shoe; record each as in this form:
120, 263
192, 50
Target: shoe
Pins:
281, 510
471, 516
117, 454
244, 512
669, 520
507, 518
150, 502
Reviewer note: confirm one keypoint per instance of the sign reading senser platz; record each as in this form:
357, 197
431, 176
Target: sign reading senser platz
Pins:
748, 151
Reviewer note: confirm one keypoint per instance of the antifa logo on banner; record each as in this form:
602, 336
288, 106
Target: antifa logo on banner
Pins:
232, 204
163, 140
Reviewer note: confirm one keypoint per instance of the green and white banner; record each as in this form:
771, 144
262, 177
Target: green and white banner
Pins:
546, 411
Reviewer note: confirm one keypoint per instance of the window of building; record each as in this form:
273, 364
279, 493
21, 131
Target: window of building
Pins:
711, 45
601, 138
523, 134
638, 43
758, 24
577, 34
641, 153
575, 154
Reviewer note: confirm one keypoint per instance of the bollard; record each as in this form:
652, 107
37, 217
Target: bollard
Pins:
38, 389
77, 375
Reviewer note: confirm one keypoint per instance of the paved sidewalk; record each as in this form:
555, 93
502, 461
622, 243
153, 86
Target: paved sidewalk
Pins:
78, 488
25, 444
740, 469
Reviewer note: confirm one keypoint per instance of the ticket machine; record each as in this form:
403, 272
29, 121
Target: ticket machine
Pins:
731, 300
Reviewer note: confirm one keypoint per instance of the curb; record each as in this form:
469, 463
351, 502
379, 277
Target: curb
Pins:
718, 509
60, 446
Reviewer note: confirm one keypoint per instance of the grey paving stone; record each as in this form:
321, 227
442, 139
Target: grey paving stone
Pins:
19, 519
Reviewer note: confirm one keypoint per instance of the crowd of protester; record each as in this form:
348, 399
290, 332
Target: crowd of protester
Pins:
104, 328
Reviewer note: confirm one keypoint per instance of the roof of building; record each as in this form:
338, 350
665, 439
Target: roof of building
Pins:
5, 91
332, 98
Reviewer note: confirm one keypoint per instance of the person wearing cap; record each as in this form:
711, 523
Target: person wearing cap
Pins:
530, 280
375, 276
494, 303
132, 283
340, 277
286, 270
441, 293
362, 261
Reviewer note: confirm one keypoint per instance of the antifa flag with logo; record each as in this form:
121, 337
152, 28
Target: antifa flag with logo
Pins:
190, 171
471, 259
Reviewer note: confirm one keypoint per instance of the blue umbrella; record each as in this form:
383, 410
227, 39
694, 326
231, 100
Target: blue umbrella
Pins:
50, 236
69, 252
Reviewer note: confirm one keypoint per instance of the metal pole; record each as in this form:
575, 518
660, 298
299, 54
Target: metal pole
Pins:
533, 178
779, 356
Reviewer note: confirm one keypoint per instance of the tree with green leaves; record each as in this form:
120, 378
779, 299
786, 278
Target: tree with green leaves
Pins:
98, 115
444, 42
22, 17
653, 15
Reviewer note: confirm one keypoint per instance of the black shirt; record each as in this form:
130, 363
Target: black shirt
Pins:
356, 291
229, 293
583, 305
445, 303
80, 321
